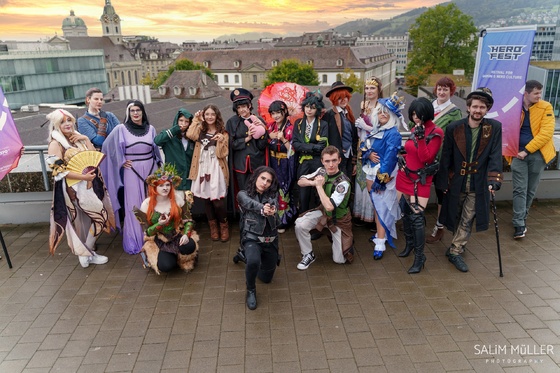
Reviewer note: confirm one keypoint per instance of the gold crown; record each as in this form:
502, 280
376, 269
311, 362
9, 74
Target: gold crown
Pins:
372, 81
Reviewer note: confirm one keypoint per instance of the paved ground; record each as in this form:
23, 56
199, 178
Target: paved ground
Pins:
370, 316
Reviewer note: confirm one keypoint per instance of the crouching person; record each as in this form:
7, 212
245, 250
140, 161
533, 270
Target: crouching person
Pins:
170, 240
333, 188
259, 235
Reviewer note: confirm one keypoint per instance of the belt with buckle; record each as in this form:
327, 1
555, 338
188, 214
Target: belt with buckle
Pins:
279, 155
467, 168
266, 239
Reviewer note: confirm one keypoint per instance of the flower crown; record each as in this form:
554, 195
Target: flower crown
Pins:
167, 172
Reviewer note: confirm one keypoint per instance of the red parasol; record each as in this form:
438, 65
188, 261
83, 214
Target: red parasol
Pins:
291, 93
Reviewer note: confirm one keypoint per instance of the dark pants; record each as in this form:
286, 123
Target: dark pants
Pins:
262, 259
168, 261
308, 198
242, 179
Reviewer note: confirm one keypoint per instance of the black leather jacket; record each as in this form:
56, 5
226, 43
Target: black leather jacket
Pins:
252, 219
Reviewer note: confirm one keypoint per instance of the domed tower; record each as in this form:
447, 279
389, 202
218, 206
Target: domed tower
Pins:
111, 23
73, 26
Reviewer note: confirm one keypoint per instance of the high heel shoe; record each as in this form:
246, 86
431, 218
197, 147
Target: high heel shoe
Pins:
418, 264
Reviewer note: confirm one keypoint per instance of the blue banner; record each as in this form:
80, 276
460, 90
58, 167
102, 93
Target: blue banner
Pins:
502, 62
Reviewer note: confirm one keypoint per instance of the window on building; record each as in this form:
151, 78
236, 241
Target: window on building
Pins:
192, 91
274, 63
310, 62
236, 78
236, 63
255, 79
226, 79
12, 83
339, 62
68, 93
325, 80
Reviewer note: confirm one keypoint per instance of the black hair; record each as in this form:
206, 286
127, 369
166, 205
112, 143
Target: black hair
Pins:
252, 187
138, 103
423, 109
278, 106
313, 99
244, 101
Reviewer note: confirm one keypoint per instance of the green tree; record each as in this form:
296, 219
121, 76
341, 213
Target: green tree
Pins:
180, 65
292, 71
147, 80
443, 39
351, 80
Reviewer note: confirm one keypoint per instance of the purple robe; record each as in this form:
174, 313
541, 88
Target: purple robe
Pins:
121, 145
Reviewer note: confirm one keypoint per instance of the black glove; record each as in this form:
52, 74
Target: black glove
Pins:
402, 162
495, 186
419, 132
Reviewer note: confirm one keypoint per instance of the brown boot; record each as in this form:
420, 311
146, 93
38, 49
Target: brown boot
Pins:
224, 231
437, 234
214, 232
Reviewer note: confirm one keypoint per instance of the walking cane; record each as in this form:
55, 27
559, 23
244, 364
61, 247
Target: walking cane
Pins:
497, 230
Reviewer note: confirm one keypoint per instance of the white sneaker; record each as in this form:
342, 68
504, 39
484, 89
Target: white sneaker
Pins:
98, 259
84, 260
281, 230
306, 261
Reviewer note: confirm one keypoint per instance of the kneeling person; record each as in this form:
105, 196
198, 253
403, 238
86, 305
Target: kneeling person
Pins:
259, 223
333, 188
169, 236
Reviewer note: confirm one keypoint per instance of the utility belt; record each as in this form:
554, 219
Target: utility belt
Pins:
262, 239
468, 168
423, 172
279, 155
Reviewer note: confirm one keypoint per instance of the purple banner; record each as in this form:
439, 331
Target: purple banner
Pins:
502, 62
10, 143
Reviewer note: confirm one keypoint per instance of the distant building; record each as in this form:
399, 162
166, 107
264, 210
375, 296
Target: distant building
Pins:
156, 56
321, 39
543, 43
73, 26
122, 66
238, 68
398, 45
111, 23
187, 85
51, 76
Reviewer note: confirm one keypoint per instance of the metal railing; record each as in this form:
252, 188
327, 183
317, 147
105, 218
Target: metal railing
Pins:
41, 150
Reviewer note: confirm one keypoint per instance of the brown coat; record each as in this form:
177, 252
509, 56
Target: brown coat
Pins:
222, 150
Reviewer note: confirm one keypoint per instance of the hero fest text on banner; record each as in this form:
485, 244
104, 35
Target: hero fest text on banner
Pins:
502, 61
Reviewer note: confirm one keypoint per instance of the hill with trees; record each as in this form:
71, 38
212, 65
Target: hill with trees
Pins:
482, 11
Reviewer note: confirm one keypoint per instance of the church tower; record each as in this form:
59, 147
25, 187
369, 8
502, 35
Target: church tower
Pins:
111, 23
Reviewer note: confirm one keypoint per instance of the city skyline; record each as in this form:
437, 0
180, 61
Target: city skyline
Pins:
169, 20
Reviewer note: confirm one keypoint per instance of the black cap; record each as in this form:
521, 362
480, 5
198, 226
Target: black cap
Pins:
339, 85
240, 94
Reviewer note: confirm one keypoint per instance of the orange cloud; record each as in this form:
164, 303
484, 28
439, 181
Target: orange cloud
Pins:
199, 20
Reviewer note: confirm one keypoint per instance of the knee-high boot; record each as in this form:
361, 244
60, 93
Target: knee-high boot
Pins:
418, 223
408, 236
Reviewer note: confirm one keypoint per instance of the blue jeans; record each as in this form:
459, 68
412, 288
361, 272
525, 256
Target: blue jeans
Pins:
526, 175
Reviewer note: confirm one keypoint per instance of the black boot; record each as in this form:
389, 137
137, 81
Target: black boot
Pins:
252, 299
418, 225
407, 236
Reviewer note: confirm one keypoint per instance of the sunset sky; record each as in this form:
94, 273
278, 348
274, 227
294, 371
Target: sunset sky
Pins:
179, 20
